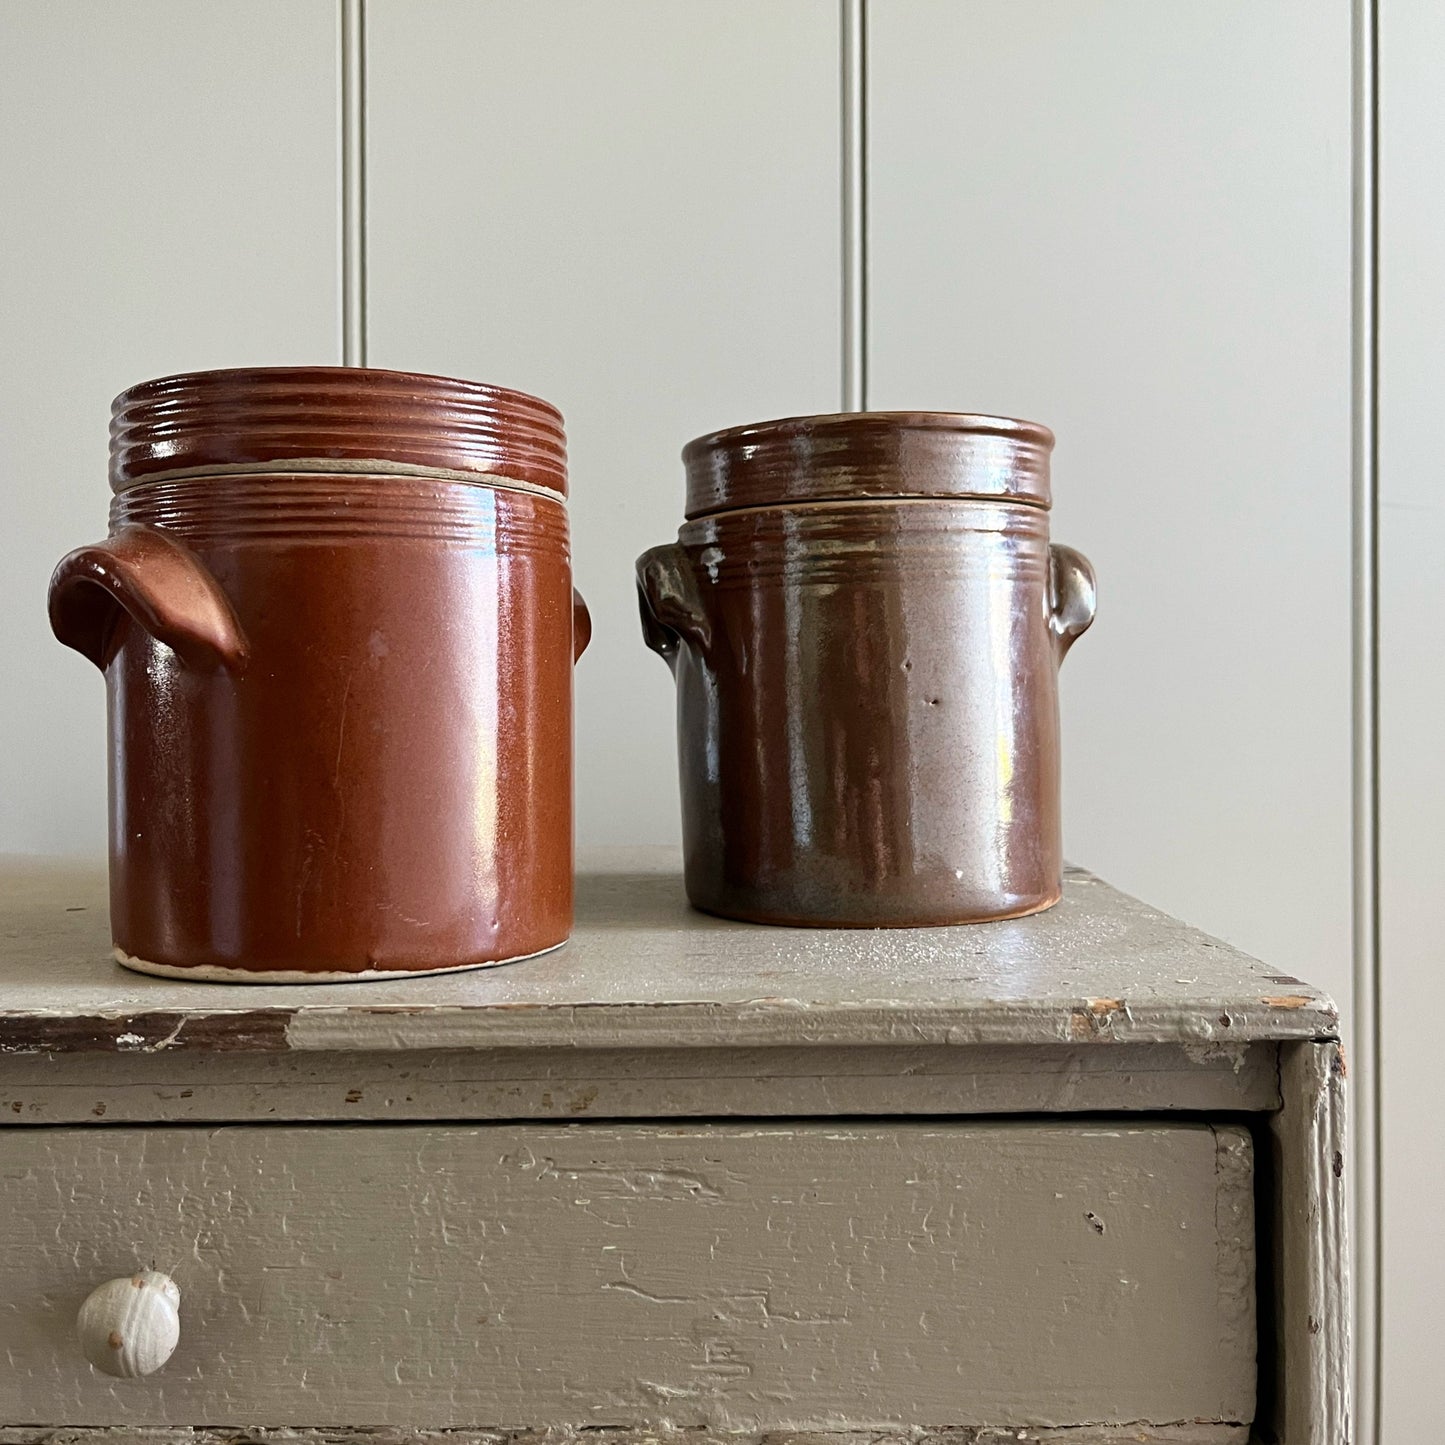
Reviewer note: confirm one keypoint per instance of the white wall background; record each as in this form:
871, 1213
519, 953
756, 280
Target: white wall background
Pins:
1412, 708
1126, 218
168, 175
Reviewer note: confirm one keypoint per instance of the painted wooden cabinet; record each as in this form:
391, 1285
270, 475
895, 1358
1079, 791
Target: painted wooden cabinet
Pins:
739, 1276
1071, 1178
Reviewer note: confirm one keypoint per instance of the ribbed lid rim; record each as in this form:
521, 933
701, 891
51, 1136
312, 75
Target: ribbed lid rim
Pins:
842, 456
269, 415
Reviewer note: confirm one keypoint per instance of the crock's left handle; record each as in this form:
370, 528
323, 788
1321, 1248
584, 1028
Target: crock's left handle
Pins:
667, 598
160, 584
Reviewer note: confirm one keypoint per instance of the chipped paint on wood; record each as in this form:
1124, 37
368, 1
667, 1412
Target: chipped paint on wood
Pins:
626, 1083
235, 1031
1095, 1020
1099, 968
739, 1276
760, 1021
1137, 1432
1311, 1248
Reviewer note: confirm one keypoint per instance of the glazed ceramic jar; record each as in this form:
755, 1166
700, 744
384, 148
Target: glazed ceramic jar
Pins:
336, 620
865, 620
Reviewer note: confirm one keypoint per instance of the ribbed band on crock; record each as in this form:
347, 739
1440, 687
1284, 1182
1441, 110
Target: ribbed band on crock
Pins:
852, 456
309, 418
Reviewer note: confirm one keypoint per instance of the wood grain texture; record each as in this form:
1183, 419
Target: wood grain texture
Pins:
563, 1083
734, 1277
1138, 1433
1310, 1229
644, 970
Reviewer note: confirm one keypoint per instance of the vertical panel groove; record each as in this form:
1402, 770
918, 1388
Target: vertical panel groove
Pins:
853, 23
353, 182
1366, 1122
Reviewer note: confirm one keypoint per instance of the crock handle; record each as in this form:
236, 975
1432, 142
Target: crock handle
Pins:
1071, 596
668, 600
581, 625
163, 587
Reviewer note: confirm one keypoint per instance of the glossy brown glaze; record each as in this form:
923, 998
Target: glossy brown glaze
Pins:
339, 417
340, 703
867, 673
853, 455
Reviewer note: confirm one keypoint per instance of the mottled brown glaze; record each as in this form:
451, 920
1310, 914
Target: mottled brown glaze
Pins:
865, 620
855, 455
340, 702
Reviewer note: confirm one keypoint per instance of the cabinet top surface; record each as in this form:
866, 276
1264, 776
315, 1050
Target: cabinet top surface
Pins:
645, 970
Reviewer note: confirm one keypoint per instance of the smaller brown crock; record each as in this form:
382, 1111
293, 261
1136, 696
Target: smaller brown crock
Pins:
865, 618
336, 620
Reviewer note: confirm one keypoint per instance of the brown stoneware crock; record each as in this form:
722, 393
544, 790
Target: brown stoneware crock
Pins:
865, 620
336, 620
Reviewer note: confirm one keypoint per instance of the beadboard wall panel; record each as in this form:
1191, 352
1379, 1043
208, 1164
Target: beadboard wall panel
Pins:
1131, 221
633, 211
1412, 710
169, 175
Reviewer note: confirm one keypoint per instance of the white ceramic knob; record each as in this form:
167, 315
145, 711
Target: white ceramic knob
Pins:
131, 1326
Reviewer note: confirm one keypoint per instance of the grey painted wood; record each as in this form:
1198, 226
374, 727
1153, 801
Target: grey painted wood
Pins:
1132, 221
1310, 1389
1412, 715
735, 1276
632, 210
169, 183
569, 1083
643, 970
237, 1064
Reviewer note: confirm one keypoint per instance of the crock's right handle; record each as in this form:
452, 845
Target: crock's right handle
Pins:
161, 584
668, 600
1071, 596
581, 625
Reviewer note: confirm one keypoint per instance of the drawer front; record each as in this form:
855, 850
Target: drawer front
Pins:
740, 1276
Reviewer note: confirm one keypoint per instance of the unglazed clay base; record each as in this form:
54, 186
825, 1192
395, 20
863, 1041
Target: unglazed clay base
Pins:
217, 973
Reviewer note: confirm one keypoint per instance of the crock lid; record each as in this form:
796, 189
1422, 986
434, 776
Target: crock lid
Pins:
854, 455
313, 415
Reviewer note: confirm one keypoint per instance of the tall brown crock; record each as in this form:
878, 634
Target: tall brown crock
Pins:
865, 620
336, 620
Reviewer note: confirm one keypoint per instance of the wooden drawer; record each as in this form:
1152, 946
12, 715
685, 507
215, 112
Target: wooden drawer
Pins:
742, 1276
